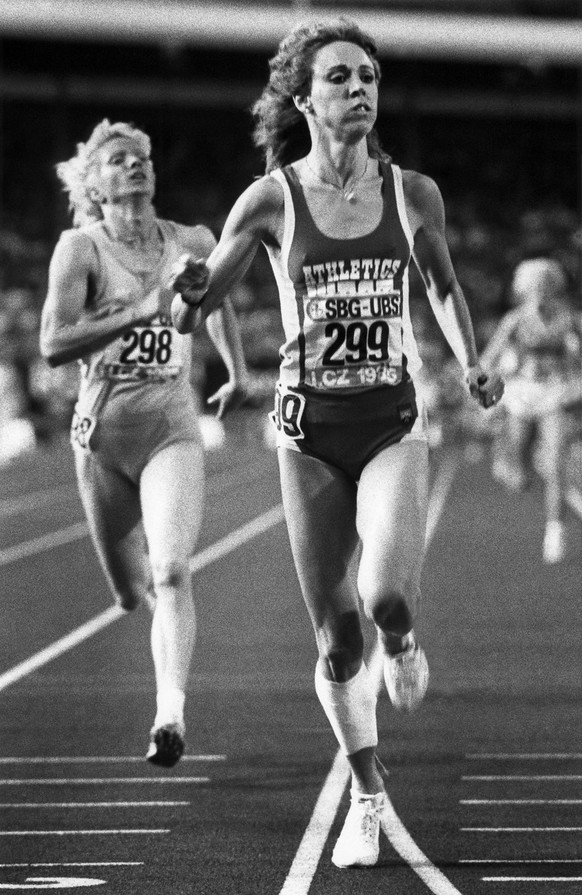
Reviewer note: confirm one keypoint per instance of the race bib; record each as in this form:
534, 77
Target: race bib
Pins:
147, 346
288, 413
352, 324
82, 428
144, 352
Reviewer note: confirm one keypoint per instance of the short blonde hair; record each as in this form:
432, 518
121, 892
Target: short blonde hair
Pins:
75, 173
537, 277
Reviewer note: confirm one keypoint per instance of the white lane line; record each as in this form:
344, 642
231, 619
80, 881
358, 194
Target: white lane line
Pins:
439, 494
78, 635
520, 861
504, 777
531, 879
77, 864
302, 870
96, 759
313, 842
157, 832
520, 801
45, 542
35, 500
218, 484
97, 781
520, 829
237, 538
404, 844
211, 554
522, 756
574, 501
92, 804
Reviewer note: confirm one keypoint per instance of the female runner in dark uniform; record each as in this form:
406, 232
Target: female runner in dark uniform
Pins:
135, 432
340, 224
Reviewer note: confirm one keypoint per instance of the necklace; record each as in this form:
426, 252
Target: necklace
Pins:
348, 192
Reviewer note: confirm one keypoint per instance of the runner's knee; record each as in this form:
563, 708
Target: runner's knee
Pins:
394, 614
169, 574
128, 597
342, 646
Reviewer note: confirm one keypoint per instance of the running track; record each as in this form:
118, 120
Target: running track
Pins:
485, 780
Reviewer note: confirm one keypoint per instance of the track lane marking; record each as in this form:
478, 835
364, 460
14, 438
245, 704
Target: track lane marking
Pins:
97, 781
128, 832
520, 829
59, 538
76, 864
315, 837
520, 861
531, 879
93, 804
496, 778
520, 801
96, 759
304, 866
200, 560
574, 501
218, 484
523, 756
35, 500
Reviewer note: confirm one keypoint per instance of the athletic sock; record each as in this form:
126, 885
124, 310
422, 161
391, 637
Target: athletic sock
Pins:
170, 706
350, 708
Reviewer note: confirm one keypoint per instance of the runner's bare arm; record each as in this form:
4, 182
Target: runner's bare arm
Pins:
201, 287
69, 329
223, 329
426, 215
500, 339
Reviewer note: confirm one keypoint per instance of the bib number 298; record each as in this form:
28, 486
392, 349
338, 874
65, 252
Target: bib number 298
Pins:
288, 412
147, 346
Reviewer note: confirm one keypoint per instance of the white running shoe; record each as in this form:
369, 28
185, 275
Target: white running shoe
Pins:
358, 844
406, 676
554, 548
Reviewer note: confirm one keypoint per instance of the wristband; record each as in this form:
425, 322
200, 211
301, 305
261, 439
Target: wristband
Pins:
193, 304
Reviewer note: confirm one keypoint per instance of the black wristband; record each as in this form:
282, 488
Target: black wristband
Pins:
193, 304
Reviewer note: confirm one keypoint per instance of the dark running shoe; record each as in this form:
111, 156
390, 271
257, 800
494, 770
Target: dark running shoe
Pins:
166, 745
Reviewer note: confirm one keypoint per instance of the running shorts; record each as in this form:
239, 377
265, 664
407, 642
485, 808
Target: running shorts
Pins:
348, 430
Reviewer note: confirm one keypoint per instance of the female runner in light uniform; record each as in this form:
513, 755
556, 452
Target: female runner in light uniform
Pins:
538, 343
340, 223
135, 433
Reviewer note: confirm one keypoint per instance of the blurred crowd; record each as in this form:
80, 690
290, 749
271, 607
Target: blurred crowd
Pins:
36, 401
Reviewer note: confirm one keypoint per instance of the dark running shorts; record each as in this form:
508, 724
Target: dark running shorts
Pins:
347, 431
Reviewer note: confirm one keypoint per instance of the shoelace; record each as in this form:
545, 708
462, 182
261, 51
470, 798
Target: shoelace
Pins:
368, 816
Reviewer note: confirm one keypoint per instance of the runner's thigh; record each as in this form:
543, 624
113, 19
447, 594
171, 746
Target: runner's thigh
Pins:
172, 497
112, 506
391, 518
320, 506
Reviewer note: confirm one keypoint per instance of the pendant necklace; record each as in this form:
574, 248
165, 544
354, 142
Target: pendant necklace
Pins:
348, 192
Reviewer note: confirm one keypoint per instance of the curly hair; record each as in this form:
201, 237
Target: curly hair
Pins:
280, 131
75, 174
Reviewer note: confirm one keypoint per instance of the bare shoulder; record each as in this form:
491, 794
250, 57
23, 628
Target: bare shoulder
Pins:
422, 195
75, 248
263, 198
258, 211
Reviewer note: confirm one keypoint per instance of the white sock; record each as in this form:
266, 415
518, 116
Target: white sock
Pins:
350, 709
170, 706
